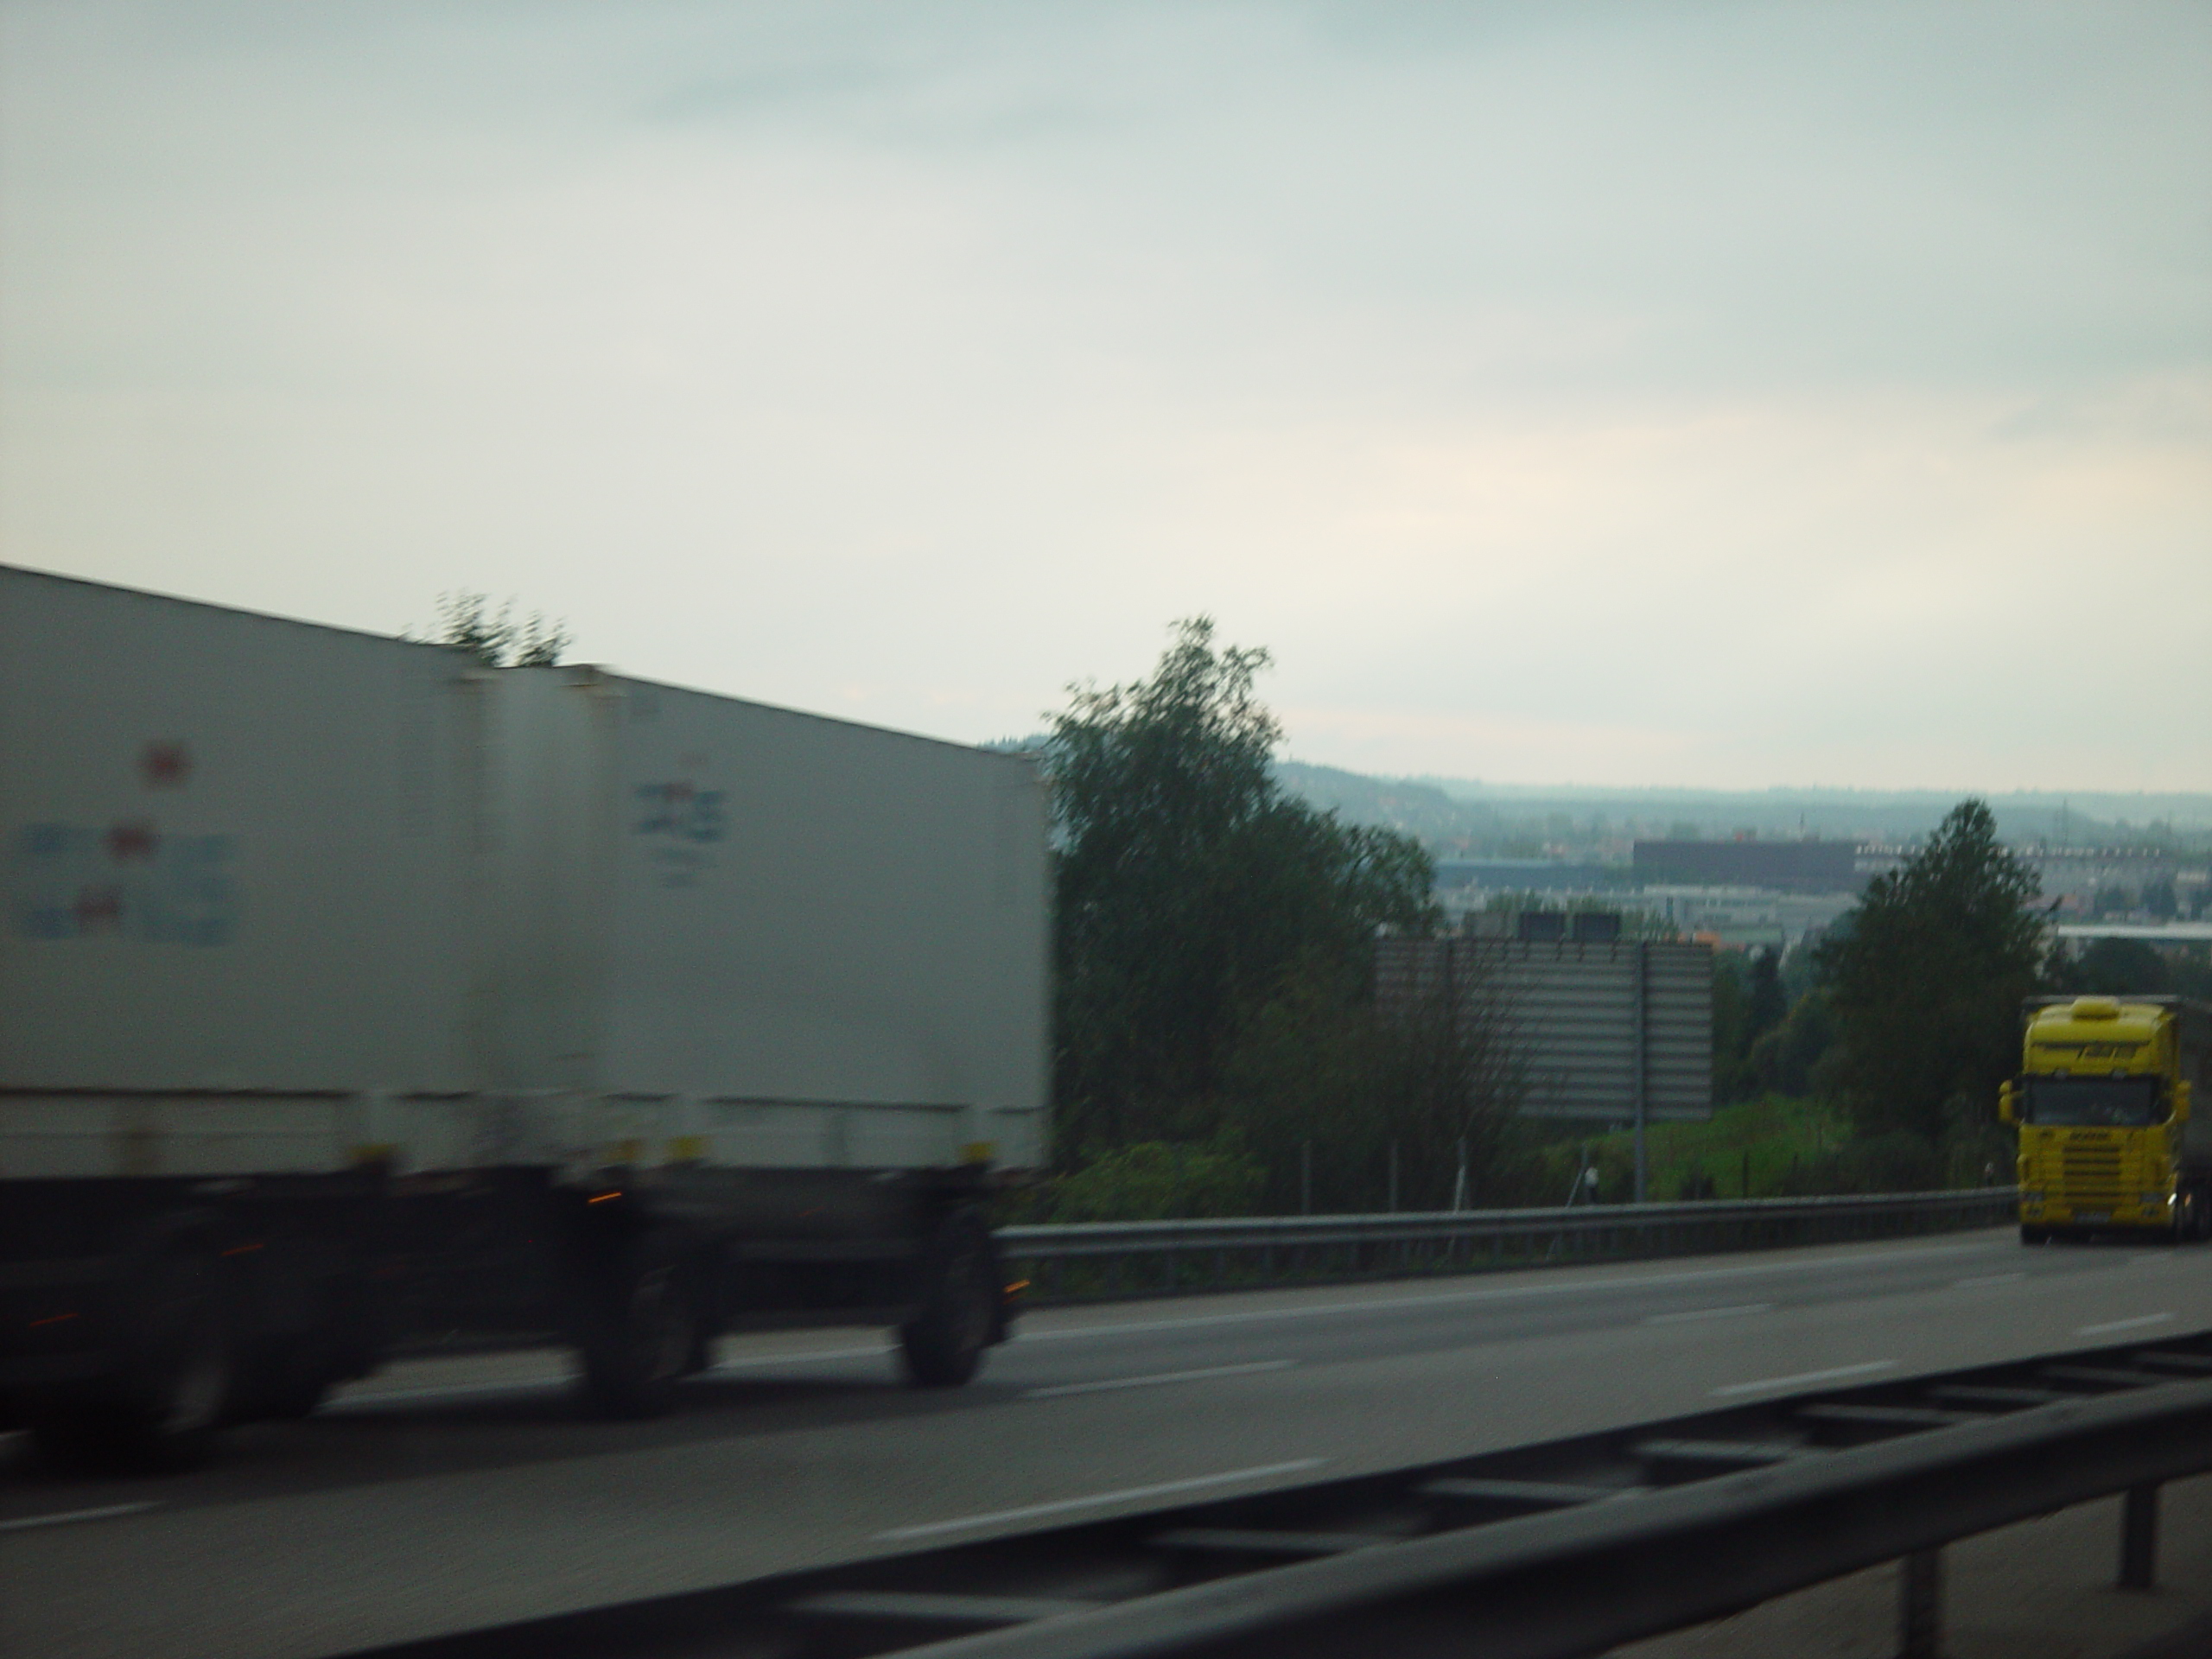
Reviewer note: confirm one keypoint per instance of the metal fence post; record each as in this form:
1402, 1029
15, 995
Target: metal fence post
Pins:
2138, 1539
1920, 1604
1640, 952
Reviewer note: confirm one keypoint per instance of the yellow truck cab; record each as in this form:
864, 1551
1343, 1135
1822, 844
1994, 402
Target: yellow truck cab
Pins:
2102, 1103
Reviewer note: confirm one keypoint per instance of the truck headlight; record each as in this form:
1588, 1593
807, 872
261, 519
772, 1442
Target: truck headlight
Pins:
2152, 1199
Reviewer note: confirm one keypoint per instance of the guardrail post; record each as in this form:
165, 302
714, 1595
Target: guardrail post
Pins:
1920, 1604
2138, 1539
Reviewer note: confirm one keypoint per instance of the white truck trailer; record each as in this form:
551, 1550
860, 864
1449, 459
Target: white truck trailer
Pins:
353, 995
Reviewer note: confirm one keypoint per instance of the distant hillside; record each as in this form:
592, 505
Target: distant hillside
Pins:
1460, 817
2087, 818
1418, 809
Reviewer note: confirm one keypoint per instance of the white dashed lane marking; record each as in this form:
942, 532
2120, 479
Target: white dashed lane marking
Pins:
1264, 1471
2135, 1324
69, 1518
1737, 1312
1157, 1379
1834, 1374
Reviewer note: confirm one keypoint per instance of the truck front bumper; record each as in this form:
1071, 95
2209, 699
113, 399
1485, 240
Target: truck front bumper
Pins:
2138, 1216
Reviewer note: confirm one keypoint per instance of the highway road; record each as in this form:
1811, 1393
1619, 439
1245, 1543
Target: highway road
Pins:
456, 1492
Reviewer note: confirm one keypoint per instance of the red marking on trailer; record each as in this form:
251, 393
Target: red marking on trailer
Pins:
134, 839
165, 763
97, 907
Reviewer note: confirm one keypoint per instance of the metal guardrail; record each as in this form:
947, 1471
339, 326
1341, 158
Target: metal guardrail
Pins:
1080, 1261
1565, 1585
1554, 1551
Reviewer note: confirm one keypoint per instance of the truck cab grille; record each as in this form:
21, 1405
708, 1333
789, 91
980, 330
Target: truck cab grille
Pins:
2092, 1174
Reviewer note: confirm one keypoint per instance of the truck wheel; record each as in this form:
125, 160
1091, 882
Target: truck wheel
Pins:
2195, 1223
283, 1377
943, 1345
177, 1333
637, 1329
287, 1382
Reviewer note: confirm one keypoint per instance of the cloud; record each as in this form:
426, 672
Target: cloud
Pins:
1700, 394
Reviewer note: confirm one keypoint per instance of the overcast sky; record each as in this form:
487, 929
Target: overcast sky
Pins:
1721, 394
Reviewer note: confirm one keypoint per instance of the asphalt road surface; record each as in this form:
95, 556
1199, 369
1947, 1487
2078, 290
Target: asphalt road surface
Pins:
451, 1493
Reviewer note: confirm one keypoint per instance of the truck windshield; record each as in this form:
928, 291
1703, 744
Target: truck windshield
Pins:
2109, 1102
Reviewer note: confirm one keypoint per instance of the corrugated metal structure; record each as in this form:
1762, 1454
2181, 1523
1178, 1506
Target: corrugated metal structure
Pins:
1598, 1028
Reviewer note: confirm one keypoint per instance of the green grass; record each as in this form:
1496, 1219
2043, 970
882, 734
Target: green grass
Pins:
1772, 1139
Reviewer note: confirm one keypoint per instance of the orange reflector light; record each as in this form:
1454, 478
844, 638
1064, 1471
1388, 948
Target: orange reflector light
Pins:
52, 1319
241, 1249
1017, 1288
603, 1197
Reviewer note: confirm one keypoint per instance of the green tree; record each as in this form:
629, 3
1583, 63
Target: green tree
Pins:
2115, 968
1748, 1003
468, 622
1783, 1060
1190, 889
1770, 1004
1325, 1086
2158, 898
1154, 1181
1924, 985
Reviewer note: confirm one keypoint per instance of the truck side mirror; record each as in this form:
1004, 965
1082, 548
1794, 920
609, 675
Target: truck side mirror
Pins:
2007, 1110
2181, 1102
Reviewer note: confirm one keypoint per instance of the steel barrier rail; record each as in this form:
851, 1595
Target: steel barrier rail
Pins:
1551, 1551
1146, 1258
1571, 1584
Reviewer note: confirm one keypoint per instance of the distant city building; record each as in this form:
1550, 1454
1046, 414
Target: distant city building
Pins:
1745, 917
2160, 936
1525, 874
2081, 881
1783, 866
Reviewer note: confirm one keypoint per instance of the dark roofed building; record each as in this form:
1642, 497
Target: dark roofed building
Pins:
1788, 865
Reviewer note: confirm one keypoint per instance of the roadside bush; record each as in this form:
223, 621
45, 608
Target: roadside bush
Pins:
1157, 1181
1897, 1161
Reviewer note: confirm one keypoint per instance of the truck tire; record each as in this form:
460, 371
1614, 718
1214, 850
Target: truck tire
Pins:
286, 1381
284, 1375
943, 1345
637, 1329
2034, 1234
177, 1372
2195, 1221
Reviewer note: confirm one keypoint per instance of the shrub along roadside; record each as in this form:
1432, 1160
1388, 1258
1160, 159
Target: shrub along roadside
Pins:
1776, 1146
